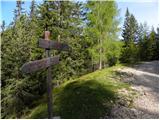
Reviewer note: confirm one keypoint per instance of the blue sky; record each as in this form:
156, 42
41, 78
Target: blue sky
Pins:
143, 10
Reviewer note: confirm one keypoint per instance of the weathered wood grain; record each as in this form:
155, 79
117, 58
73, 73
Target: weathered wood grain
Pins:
34, 66
48, 44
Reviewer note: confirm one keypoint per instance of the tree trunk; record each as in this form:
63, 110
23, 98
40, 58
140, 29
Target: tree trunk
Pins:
100, 55
100, 42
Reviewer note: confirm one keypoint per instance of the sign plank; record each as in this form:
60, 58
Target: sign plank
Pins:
48, 44
33, 66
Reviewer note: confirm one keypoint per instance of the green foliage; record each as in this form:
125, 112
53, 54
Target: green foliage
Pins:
102, 27
3, 26
113, 52
149, 46
139, 43
19, 45
130, 31
91, 32
63, 20
39, 112
129, 54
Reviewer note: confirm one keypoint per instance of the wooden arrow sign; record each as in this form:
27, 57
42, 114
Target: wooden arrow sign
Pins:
33, 66
48, 44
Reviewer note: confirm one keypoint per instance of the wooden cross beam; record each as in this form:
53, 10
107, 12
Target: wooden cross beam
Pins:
48, 44
36, 65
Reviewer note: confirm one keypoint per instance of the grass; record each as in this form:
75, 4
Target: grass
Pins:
90, 96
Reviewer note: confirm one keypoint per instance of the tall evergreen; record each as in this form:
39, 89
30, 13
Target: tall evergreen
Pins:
151, 45
65, 24
19, 9
130, 28
32, 8
133, 29
130, 38
157, 45
3, 26
126, 27
18, 45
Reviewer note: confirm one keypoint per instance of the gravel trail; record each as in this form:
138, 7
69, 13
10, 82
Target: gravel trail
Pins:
144, 80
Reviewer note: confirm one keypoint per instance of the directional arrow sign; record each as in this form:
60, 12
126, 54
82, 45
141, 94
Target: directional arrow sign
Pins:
33, 66
48, 44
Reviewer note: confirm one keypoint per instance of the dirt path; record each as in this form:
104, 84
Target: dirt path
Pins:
145, 80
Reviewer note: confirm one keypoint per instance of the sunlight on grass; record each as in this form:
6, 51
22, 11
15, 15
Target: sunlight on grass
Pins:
90, 96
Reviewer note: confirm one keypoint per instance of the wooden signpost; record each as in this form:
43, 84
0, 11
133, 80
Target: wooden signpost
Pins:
36, 65
47, 44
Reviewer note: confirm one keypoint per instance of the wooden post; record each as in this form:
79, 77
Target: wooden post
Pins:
33, 66
49, 81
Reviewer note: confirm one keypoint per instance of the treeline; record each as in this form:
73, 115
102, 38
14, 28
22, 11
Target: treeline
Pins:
86, 28
140, 43
90, 29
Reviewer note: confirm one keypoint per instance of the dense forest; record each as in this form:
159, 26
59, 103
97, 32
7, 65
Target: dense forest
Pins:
91, 29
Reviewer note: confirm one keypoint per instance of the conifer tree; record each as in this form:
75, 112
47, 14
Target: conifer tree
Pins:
126, 27
64, 22
3, 26
151, 45
19, 9
32, 9
130, 37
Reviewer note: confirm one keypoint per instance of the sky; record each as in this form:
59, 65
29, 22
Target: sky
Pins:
143, 10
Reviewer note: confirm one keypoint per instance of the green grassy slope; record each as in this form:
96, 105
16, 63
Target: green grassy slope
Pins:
90, 96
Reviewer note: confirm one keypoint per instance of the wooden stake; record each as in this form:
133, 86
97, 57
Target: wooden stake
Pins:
49, 81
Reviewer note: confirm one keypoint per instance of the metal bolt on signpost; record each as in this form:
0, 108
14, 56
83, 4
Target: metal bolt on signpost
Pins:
36, 65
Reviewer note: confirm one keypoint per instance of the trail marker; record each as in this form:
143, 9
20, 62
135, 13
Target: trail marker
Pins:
47, 62
36, 65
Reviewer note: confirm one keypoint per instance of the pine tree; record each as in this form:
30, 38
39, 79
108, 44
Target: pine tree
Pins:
151, 45
19, 10
130, 28
130, 37
33, 9
157, 45
143, 31
64, 22
126, 28
3, 26
19, 45
133, 29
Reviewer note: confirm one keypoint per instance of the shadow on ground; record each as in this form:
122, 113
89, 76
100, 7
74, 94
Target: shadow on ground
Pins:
85, 99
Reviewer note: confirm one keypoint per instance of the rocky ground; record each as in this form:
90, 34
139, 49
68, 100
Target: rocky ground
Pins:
142, 102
